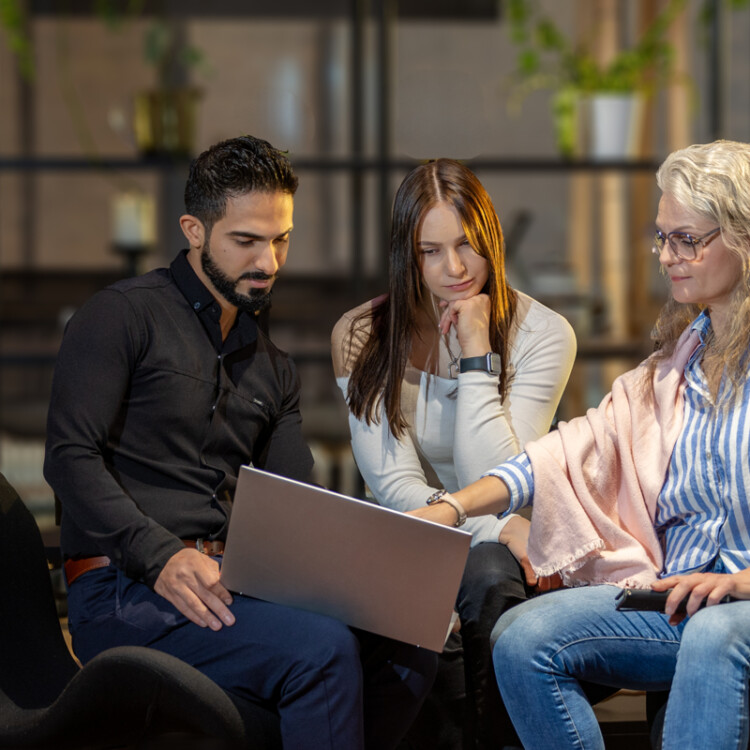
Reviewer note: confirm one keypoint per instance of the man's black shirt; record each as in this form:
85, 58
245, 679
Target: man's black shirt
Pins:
152, 415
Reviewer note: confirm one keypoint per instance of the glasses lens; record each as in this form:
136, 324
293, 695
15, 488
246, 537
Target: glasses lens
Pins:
659, 240
683, 245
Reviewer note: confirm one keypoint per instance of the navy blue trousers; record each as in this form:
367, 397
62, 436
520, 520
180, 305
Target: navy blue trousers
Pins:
332, 686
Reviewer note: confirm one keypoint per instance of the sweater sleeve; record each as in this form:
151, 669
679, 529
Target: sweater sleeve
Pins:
393, 472
489, 430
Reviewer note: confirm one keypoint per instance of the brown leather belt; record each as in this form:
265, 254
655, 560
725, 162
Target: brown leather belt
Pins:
76, 568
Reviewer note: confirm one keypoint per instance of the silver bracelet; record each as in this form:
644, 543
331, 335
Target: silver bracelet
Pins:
443, 496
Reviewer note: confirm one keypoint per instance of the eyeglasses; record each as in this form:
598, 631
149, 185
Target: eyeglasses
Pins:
683, 245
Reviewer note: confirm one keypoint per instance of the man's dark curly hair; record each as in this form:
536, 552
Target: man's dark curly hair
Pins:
232, 168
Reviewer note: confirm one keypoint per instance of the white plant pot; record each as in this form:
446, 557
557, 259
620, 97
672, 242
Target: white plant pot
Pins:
615, 126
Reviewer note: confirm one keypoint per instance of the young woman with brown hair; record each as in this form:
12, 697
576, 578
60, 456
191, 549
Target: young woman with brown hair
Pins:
449, 373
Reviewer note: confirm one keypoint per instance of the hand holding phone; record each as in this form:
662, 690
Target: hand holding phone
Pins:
654, 601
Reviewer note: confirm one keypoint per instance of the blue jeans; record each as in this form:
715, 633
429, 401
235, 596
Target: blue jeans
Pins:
332, 687
544, 647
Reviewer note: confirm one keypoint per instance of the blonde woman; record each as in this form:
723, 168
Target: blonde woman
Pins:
648, 491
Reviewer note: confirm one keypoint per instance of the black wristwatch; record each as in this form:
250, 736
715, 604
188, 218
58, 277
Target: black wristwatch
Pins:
489, 362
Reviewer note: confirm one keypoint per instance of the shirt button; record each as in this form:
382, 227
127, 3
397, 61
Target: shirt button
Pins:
213, 407
196, 305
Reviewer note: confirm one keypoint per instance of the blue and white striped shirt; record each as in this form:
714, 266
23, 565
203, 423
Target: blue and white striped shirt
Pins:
703, 509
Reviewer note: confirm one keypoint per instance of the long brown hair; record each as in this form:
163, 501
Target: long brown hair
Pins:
378, 371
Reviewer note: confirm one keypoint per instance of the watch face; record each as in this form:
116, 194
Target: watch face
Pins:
494, 362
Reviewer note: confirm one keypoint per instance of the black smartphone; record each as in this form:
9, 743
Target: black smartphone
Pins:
646, 599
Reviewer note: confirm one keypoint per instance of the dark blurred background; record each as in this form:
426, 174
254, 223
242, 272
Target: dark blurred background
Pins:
102, 103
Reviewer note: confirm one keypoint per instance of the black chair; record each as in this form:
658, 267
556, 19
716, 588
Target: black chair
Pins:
656, 706
125, 697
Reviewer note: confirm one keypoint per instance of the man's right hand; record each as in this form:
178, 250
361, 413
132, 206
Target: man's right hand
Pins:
190, 581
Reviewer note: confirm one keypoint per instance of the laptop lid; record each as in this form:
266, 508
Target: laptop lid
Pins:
371, 567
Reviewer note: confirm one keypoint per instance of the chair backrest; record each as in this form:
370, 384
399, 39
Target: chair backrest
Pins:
35, 663
123, 693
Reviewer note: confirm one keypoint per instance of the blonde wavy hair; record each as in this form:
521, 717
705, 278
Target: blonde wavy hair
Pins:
712, 180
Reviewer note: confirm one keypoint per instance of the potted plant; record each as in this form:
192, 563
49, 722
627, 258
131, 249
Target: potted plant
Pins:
165, 116
549, 59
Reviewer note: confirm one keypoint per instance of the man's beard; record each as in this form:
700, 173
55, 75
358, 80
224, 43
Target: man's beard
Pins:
253, 303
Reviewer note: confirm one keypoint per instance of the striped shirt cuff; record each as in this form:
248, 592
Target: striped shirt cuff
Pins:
517, 475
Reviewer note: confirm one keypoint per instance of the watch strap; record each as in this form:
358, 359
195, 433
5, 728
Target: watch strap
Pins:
443, 496
489, 362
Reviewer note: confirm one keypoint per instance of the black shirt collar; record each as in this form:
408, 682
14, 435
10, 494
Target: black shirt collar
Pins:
200, 298
194, 290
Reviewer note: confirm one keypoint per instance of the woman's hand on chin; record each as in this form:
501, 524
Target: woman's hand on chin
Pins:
471, 320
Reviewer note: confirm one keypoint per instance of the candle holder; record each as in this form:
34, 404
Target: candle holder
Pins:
132, 256
134, 223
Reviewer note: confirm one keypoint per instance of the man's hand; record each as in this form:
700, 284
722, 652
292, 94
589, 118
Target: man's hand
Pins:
712, 587
190, 581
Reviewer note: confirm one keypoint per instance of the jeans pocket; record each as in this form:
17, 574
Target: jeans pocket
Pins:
108, 609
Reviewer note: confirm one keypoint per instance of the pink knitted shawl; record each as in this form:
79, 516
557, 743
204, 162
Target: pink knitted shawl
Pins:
597, 479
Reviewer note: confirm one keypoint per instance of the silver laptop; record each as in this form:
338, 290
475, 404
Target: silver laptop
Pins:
371, 567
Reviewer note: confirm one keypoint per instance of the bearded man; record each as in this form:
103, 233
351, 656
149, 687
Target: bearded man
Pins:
164, 386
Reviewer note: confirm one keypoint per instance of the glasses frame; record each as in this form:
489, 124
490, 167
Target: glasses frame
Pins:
698, 243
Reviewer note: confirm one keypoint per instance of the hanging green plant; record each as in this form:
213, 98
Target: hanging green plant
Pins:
548, 59
165, 51
13, 23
